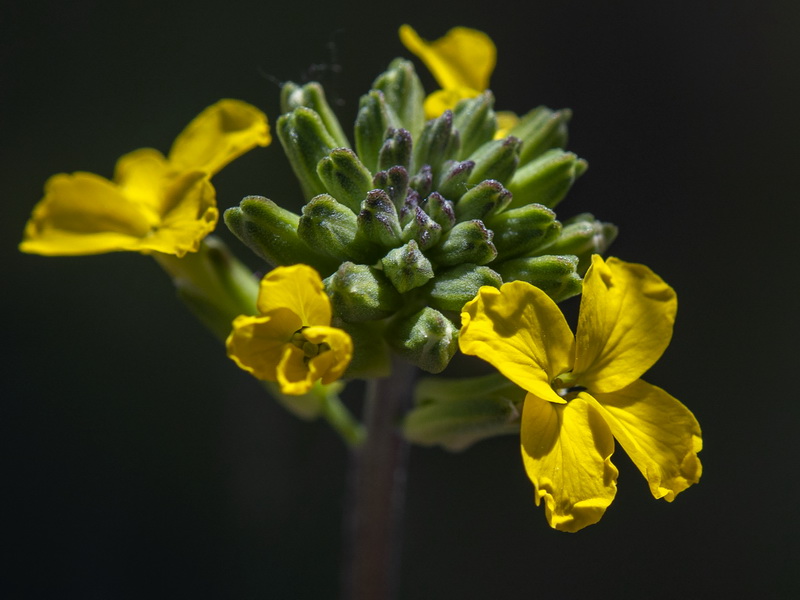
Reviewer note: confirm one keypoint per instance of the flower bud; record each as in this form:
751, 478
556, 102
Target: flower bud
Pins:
312, 96
305, 141
488, 197
475, 121
378, 219
583, 235
454, 177
361, 293
555, 275
396, 149
540, 130
333, 228
271, 232
497, 159
547, 179
440, 210
520, 231
426, 338
452, 289
422, 182
406, 267
345, 177
403, 92
394, 182
437, 142
422, 229
372, 122
468, 242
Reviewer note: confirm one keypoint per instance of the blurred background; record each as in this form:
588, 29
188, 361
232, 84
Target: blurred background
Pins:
139, 462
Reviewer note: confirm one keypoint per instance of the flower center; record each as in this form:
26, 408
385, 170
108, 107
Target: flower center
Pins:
566, 386
310, 349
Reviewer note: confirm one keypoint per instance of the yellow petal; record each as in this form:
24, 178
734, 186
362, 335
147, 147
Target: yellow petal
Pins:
463, 58
142, 176
331, 364
219, 134
257, 344
566, 450
294, 376
84, 213
298, 288
520, 331
442, 100
625, 324
660, 434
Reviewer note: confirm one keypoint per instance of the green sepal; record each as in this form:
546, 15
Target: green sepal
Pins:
374, 119
407, 268
583, 235
271, 232
476, 122
345, 177
456, 413
422, 229
427, 338
404, 94
361, 293
496, 159
540, 130
520, 231
394, 181
452, 289
454, 177
467, 242
311, 95
305, 141
396, 149
486, 198
437, 142
547, 179
333, 228
378, 220
440, 210
371, 353
557, 276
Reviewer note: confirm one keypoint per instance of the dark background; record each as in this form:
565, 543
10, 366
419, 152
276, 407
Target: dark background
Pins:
139, 462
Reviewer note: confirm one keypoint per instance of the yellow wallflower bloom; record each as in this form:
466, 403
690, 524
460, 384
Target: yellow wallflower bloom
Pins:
584, 390
153, 204
291, 340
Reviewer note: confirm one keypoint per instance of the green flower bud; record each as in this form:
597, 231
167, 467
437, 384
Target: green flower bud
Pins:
555, 275
361, 293
406, 267
426, 338
394, 182
440, 210
333, 228
540, 130
475, 121
456, 413
437, 142
452, 289
547, 179
488, 197
468, 242
422, 182
312, 96
583, 235
305, 141
372, 122
520, 231
454, 177
404, 94
345, 177
271, 232
408, 211
497, 159
396, 149
422, 229
378, 219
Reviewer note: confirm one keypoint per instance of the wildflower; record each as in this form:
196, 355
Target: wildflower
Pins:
153, 204
291, 340
584, 390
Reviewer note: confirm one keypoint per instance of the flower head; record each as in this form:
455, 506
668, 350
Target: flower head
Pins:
154, 203
291, 340
585, 390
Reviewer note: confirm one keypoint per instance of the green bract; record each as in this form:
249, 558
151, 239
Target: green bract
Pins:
411, 220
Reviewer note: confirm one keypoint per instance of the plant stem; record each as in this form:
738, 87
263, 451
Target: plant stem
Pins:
377, 483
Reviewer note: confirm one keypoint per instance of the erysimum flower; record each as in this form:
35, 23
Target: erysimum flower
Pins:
153, 204
584, 390
291, 340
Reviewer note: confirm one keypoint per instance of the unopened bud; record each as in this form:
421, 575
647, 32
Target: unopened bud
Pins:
305, 141
583, 235
361, 293
311, 95
407, 268
378, 219
520, 231
332, 228
547, 179
454, 178
467, 242
423, 229
404, 94
452, 289
476, 122
437, 142
540, 130
426, 338
345, 177
497, 159
372, 122
555, 275
396, 149
488, 197
440, 210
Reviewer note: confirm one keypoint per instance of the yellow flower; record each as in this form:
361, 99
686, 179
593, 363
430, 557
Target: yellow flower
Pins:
153, 204
291, 340
584, 390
